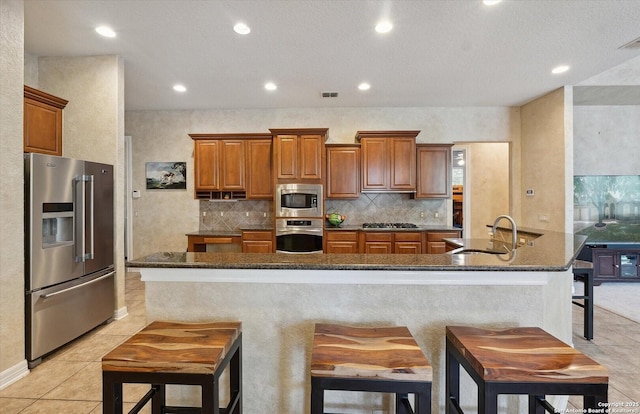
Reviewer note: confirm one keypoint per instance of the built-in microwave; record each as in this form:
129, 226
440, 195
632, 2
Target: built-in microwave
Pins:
299, 200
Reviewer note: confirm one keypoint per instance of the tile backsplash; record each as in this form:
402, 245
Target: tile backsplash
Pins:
369, 207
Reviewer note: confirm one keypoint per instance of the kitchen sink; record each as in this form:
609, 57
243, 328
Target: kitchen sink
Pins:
477, 251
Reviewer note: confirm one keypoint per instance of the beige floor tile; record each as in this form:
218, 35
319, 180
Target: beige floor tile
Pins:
85, 385
92, 348
56, 406
126, 326
43, 379
14, 405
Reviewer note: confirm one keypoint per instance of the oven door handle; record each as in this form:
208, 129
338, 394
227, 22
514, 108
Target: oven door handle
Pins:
301, 231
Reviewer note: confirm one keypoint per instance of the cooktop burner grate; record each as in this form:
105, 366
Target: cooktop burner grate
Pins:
389, 226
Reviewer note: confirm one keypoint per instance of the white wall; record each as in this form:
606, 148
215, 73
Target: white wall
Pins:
12, 335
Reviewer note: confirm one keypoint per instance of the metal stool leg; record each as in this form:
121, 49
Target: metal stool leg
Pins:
452, 381
317, 397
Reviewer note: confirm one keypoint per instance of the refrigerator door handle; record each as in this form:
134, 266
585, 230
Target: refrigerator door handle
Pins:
79, 207
81, 219
49, 295
90, 178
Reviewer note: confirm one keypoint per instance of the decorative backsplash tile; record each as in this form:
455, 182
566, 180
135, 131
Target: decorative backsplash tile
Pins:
369, 207
389, 207
232, 215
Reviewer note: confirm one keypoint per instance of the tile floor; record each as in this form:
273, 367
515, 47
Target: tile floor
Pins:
69, 381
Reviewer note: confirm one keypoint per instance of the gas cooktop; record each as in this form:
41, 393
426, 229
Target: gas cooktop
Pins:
389, 226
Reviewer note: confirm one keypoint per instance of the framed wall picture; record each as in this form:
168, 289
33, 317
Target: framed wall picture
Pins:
166, 175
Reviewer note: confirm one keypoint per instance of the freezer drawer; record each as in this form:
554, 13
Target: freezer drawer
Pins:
58, 315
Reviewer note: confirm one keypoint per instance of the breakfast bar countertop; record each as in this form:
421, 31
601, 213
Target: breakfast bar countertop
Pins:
551, 252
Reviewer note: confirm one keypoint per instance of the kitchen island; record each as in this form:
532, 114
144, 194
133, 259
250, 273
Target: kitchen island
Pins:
279, 298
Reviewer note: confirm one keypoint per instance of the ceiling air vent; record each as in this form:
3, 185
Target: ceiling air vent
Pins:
329, 94
634, 44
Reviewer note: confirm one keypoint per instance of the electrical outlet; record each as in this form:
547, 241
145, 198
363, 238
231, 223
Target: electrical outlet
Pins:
264, 214
204, 214
247, 214
543, 217
437, 215
422, 214
221, 213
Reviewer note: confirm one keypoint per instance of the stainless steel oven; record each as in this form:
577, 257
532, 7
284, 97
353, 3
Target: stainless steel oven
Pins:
299, 235
299, 200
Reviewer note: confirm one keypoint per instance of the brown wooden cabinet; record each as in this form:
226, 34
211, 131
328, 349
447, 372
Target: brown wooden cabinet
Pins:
228, 166
436, 244
343, 171
391, 242
616, 265
388, 160
232, 165
42, 122
259, 181
407, 243
298, 154
376, 243
341, 241
198, 243
206, 165
433, 171
257, 241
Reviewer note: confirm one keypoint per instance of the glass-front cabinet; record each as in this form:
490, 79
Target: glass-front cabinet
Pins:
629, 265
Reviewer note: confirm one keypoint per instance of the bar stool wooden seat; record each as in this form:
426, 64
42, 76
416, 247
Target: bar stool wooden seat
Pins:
383, 359
176, 353
583, 272
525, 361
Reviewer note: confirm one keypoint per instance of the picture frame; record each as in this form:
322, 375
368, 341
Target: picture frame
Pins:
170, 175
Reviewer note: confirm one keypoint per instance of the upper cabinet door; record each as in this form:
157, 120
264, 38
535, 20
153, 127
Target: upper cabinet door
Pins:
259, 180
286, 156
343, 171
207, 160
375, 164
434, 171
402, 164
310, 156
232, 162
42, 122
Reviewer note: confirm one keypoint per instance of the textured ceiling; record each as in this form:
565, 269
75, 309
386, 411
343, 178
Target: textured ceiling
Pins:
439, 53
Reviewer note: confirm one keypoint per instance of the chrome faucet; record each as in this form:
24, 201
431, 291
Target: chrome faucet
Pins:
514, 230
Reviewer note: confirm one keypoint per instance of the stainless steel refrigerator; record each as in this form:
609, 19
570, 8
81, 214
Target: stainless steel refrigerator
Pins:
69, 250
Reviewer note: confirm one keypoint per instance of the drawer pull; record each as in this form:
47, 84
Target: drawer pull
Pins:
218, 240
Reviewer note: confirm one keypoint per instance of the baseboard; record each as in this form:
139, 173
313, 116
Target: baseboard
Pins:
120, 313
13, 374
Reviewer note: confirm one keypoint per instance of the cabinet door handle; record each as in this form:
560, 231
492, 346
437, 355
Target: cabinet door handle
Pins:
616, 266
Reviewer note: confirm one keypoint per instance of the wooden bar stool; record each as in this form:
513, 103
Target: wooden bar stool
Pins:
385, 359
583, 272
526, 361
176, 353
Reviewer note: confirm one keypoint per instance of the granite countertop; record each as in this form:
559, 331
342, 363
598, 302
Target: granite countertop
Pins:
227, 233
551, 252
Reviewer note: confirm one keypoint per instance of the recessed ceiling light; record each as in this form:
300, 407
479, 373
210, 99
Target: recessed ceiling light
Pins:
270, 86
179, 88
491, 2
560, 69
364, 86
242, 29
105, 31
384, 27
